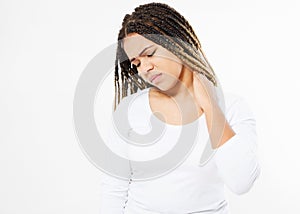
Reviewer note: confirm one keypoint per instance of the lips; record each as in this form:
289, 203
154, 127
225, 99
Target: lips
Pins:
154, 76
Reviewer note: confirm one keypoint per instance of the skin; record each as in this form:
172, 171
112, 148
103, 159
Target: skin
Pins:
180, 95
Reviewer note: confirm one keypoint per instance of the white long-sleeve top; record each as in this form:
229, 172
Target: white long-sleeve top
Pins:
189, 188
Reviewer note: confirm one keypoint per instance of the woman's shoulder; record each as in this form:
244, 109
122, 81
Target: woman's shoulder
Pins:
232, 99
134, 100
237, 106
135, 106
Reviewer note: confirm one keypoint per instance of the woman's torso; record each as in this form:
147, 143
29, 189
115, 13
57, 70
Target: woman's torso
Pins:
188, 188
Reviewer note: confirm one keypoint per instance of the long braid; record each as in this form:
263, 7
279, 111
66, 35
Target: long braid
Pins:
164, 26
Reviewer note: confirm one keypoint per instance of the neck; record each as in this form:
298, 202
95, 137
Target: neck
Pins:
183, 95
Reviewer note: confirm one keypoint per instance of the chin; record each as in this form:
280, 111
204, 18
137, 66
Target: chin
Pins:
165, 87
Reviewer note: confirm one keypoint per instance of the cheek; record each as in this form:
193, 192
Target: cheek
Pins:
172, 74
175, 69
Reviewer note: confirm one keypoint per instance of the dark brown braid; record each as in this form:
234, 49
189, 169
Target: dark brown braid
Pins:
164, 26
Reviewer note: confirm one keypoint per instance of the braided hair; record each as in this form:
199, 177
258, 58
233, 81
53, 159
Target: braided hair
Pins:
164, 26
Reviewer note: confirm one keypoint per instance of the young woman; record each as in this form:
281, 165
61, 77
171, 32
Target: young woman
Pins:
159, 53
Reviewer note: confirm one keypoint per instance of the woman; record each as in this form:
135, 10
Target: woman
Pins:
158, 51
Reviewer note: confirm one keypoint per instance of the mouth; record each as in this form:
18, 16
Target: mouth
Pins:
154, 77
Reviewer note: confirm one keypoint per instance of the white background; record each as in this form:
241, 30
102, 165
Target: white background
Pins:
253, 47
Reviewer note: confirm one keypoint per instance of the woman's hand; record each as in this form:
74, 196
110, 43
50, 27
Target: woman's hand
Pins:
206, 97
204, 91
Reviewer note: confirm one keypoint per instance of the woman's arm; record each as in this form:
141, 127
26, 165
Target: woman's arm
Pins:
236, 159
218, 127
232, 134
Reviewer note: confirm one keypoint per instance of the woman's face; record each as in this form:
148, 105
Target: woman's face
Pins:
155, 64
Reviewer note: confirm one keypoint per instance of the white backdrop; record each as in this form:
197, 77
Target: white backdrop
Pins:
45, 45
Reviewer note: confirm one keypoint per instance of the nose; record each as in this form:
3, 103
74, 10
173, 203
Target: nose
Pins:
145, 65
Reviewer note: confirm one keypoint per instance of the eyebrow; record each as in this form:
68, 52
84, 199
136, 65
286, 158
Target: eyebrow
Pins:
146, 48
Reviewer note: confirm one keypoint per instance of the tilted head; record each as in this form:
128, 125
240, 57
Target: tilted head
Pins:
162, 29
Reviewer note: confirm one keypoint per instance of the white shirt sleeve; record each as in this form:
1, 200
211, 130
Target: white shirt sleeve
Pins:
237, 160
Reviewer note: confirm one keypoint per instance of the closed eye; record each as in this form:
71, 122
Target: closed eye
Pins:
149, 55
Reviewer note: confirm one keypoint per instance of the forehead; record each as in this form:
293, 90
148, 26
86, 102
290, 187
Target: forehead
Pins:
134, 44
